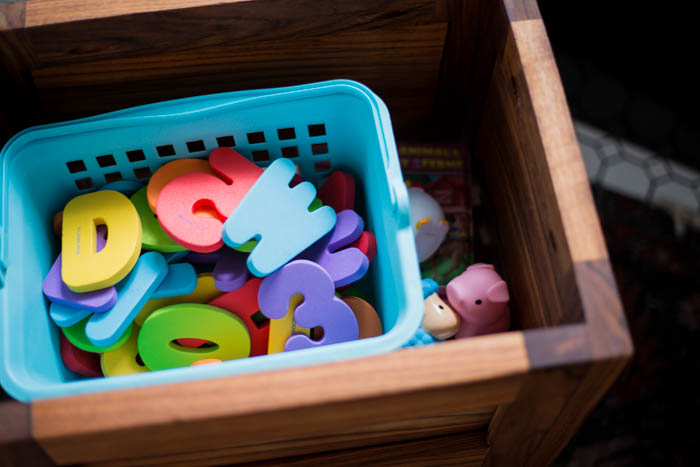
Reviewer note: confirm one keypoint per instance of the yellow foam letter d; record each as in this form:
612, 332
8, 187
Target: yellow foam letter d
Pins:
84, 268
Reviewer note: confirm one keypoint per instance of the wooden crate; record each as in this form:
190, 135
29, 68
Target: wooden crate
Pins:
476, 71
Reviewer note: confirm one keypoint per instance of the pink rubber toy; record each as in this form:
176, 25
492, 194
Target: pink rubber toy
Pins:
181, 197
480, 296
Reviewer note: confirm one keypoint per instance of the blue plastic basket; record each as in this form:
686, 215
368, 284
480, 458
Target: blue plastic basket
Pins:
336, 125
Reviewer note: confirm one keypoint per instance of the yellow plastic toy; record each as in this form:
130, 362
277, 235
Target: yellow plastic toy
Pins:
84, 269
205, 292
123, 361
281, 329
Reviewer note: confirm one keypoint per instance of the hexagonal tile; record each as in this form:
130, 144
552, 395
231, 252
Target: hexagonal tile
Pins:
635, 154
627, 179
675, 193
608, 148
657, 168
683, 174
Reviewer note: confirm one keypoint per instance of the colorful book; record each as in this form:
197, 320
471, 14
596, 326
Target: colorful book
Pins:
444, 172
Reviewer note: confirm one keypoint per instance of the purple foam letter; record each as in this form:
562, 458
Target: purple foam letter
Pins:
320, 306
344, 266
58, 292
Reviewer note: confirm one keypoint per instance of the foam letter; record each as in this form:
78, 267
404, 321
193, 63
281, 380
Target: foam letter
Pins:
84, 269
181, 197
280, 215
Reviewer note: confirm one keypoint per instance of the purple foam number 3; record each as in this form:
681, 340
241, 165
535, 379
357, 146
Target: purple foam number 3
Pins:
230, 271
344, 266
320, 306
58, 292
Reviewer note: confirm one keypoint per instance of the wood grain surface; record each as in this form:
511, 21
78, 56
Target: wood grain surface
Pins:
461, 449
17, 446
11, 15
64, 34
175, 48
338, 448
476, 35
519, 10
402, 64
552, 404
406, 394
18, 104
554, 248
553, 233
43, 12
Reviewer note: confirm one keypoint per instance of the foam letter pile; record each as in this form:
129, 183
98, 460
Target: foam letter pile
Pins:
213, 260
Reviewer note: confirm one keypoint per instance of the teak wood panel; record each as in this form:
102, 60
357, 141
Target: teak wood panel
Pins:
339, 450
534, 172
75, 61
461, 449
401, 64
18, 107
535, 180
551, 405
406, 394
65, 31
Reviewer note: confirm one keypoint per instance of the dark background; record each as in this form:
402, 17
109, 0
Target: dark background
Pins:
629, 68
